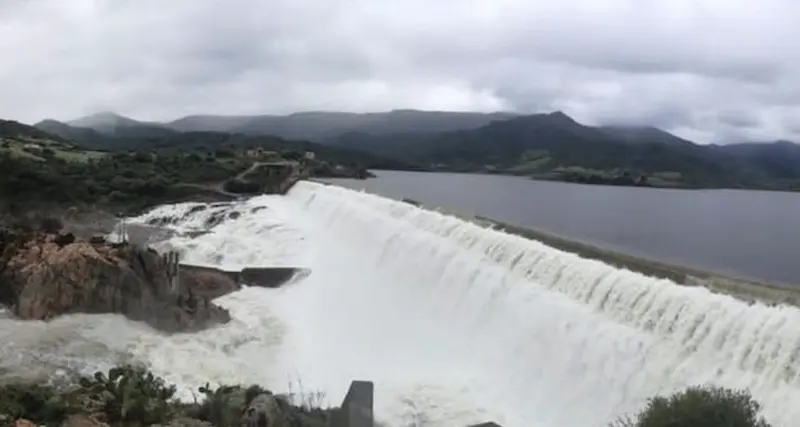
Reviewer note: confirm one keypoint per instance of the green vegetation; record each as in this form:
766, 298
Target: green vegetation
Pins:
138, 171
541, 146
132, 396
122, 179
699, 406
40, 404
555, 147
146, 139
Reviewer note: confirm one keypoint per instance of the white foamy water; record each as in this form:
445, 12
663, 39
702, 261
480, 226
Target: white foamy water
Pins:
454, 323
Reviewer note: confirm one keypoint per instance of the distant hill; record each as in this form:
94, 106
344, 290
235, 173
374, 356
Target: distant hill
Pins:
554, 146
131, 172
10, 129
325, 126
543, 146
637, 134
315, 126
68, 132
133, 137
108, 123
209, 123
777, 161
20, 141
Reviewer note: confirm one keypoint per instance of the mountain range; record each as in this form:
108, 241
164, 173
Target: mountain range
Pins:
542, 146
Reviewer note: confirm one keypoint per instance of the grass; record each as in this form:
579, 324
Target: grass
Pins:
20, 153
79, 156
16, 146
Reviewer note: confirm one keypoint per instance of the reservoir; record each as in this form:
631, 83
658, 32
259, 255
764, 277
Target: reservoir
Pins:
739, 233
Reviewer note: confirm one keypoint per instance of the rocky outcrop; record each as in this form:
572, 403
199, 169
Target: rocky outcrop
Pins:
264, 411
43, 276
206, 282
270, 277
199, 277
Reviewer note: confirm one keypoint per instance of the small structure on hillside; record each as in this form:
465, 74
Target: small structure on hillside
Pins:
254, 152
31, 147
266, 177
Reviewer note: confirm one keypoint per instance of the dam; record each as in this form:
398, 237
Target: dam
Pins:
455, 324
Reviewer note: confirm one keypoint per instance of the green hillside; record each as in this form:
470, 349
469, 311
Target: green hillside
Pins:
555, 147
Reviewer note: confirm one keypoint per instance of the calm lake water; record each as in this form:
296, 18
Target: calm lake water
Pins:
748, 234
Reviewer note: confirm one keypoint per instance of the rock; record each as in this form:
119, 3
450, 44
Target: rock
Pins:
41, 280
140, 234
215, 219
207, 282
195, 234
196, 209
270, 277
264, 411
97, 239
187, 422
82, 420
64, 239
22, 422
411, 202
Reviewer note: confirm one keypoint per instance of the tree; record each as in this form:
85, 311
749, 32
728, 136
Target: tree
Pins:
700, 407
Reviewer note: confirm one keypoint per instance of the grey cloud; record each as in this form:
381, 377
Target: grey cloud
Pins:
702, 68
739, 118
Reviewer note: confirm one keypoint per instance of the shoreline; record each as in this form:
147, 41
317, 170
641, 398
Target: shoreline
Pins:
562, 181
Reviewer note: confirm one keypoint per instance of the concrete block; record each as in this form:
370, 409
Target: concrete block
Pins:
357, 407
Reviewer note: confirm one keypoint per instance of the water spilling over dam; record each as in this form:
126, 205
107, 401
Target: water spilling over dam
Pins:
454, 323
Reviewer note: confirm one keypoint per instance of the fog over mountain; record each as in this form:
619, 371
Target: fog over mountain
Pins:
706, 70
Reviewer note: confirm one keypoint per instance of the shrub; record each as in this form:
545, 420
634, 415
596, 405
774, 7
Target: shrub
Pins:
39, 404
221, 407
131, 395
699, 406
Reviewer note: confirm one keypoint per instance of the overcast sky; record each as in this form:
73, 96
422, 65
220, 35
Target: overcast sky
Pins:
710, 70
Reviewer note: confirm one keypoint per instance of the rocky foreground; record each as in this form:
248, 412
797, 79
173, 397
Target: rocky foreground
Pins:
131, 396
44, 275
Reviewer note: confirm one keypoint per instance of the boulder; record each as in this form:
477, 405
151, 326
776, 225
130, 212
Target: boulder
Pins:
64, 239
213, 282
265, 410
41, 279
270, 277
207, 283
82, 420
186, 422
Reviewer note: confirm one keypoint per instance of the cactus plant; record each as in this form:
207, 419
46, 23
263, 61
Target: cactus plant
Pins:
131, 395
